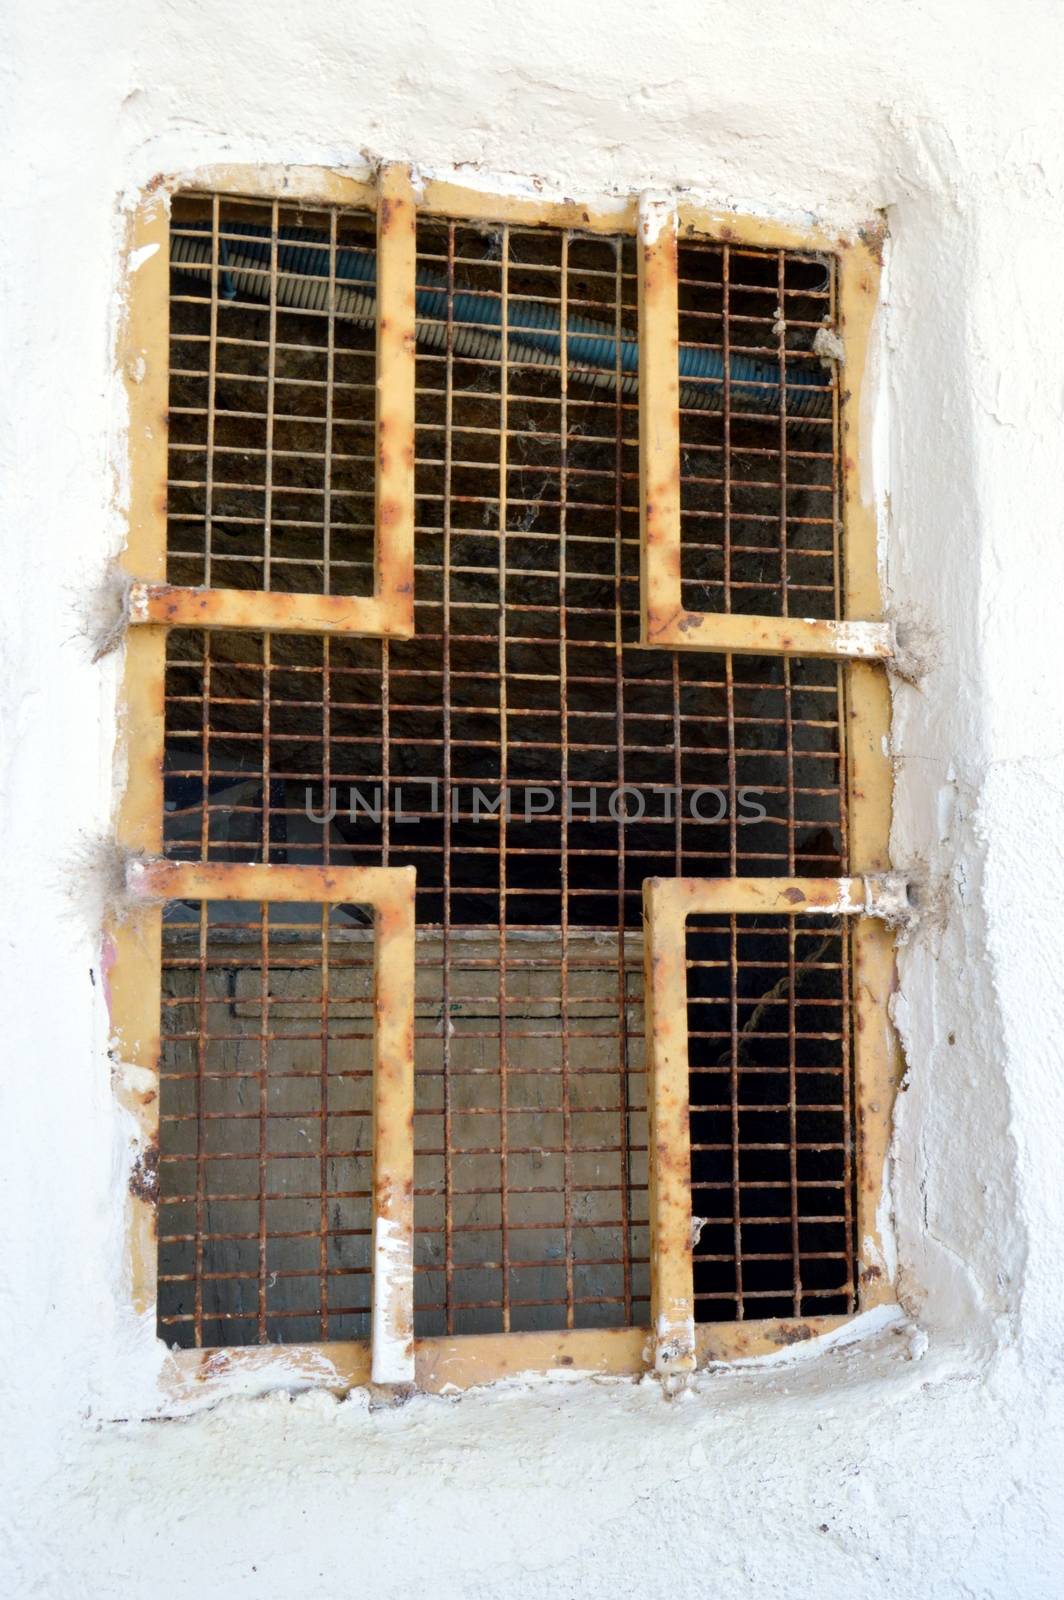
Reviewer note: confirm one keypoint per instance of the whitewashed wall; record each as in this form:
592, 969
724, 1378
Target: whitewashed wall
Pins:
925, 1458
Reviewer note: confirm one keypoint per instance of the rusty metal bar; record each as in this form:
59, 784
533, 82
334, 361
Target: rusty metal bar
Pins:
877, 1058
393, 1134
659, 412
677, 629
504, 758
133, 945
879, 895
672, 1290
233, 610
449, 1364
394, 493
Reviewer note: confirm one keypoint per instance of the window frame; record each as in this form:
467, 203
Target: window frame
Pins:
861, 641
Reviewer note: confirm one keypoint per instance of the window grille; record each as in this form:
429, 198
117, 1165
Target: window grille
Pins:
415, 614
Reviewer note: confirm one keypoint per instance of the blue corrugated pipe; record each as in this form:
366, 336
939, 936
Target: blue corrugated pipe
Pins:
476, 320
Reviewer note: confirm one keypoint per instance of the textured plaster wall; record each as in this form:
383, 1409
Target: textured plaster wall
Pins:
926, 1458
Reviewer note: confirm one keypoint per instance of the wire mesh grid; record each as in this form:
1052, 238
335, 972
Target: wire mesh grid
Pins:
523, 751
272, 396
265, 1123
759, 478
772, 1168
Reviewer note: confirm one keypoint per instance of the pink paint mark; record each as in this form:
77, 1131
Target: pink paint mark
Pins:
108, 957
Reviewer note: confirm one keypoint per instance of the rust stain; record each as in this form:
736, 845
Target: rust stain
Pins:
792, 1333
144, 1178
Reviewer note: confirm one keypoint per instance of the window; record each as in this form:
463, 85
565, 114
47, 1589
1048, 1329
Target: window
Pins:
504, 656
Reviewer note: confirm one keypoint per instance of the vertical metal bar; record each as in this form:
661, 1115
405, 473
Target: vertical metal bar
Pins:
386, 752
846, 1063
392, 1356
504, 737
201, 1131
323, 1128
264, 910
212, 367
264, 1106
781, 353
396, 377
659, 413
788, 706
838, 585
563, 712
867, 724
330, 379
677, 766
202, 1030
729, 670
271, 397
671, 1268
733, 823
135, 943
733, 1083
448, 1090
792, 1108
726, 422
393, 1073
618, 646
326, 747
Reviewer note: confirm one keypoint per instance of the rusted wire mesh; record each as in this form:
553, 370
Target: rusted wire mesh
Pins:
759, 477
771, 1116
265, 1122
490, 751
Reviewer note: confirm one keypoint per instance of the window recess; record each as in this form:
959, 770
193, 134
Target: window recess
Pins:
391, 659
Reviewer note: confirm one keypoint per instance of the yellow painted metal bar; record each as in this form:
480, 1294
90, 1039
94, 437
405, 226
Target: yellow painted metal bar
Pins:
171, 606
225, 880
132, 945
749, 635
881, 895
877, 1056
392, 1313
672, 1292
464, 1361
659, 414
396, 345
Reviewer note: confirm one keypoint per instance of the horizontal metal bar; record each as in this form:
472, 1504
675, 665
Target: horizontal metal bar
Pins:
465, 1360
169, 605
750, 635
222, 880
884, 895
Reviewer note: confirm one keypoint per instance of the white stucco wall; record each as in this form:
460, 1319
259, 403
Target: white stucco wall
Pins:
924, 1459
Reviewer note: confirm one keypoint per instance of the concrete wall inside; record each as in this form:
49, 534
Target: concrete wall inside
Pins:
918, 1454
